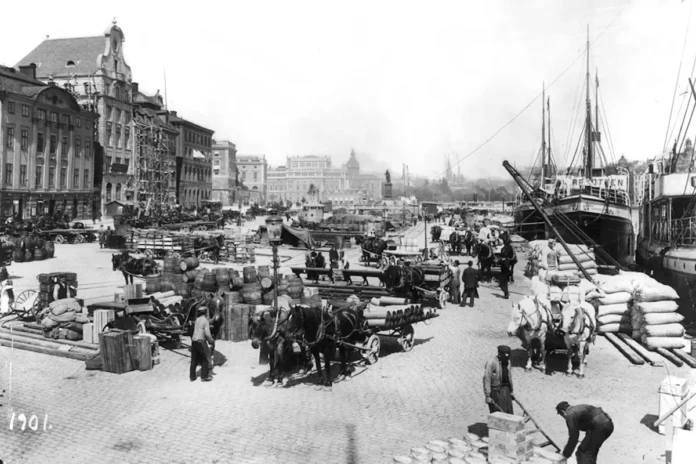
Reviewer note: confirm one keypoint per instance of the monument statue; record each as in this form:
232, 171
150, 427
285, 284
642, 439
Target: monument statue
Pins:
388, 176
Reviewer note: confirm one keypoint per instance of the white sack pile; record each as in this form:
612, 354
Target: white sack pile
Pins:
655, 320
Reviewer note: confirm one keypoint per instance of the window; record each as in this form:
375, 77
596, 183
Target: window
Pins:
127, 141
108, 112
23, 175
10, 107
40, 143
88, 147
42, 115
25, 111
53, 143
108, 163
118, 135
24, 140
78, 147
63, 176
64, 147
78, 122
54, 116
65, 119
117, 92
216, 162
76, 179
8, 173
51, 177
70, 64
85, 181
10, 137
108, 133
39, 176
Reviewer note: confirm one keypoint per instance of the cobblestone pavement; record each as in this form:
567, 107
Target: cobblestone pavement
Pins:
406, 399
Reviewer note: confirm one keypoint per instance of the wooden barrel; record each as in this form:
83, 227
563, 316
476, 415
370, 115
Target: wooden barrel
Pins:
234, 298
187, 264
28, 255
264, 271
233, 273
295, 287
39, 254
313, 301
50, 248
189, 276
250, 275
29, 243
236, 283
39, 242
251, 293
198, 283
152, 285
209, 283
282, 287
172, 264
267, 298
266, 283
183, 289
18, 255
222, 276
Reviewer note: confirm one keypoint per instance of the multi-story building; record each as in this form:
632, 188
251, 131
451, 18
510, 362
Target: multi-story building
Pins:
345, 185
224, 172
46, 148
94, 69
194, 179
253, 173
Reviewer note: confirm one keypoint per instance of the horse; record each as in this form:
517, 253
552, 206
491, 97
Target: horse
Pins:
578, 327
469, 241
131, 266
372, 249
263, 331
403, 279
455, 242
508, 253
486, 259
435, 232
211, 246
531, 320
320, 331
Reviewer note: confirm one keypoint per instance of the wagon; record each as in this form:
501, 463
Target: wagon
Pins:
67, 235
391, 257
436, 283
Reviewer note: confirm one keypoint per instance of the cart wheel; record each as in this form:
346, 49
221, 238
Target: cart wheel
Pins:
59, 239
442, 299
25, 305
79, 238
407, 337
371, 353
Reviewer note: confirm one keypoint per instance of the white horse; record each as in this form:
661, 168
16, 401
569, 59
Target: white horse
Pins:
531, 320
578, 327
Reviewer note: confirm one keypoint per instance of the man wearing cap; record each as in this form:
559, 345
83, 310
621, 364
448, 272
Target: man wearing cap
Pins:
470, 280
454, 283
550, 258
596, 424
200, 352
497, 382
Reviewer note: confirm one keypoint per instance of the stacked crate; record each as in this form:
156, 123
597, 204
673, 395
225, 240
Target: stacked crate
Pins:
235, 326
47, 282
115, 351
508, 440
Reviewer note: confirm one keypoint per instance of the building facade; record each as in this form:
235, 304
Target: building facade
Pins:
224, 172
94, 69
344, 185
46, 141
194, 177
253, 174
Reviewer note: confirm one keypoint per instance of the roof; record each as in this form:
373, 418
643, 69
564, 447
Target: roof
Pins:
155, 100
121, 203
12, 73
51, 56
146, 116
176, 120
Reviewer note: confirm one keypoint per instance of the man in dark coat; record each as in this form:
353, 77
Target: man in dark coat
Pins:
470, 280
504, 277
596, 424
333, 254
497, 382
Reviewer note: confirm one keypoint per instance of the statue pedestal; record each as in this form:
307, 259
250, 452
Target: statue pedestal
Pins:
387, 190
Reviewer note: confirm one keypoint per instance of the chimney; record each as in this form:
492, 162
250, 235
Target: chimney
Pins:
173, 113
134, 87
28, 70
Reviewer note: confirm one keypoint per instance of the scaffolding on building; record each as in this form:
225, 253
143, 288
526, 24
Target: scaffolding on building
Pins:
155, 166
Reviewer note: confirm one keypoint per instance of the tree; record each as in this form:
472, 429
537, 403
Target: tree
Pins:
313, 191
304, 200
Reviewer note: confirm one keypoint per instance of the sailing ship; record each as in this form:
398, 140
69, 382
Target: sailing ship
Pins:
594, 198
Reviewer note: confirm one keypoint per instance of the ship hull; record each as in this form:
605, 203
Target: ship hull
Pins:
528, 223
675, 267
608, 224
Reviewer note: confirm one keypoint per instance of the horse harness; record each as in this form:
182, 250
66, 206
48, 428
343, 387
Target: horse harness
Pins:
582, 324
528, 323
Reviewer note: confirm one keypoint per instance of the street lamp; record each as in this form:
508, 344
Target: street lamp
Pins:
274, 225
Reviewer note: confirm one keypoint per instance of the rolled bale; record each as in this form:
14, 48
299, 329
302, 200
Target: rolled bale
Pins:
189, 263
251, 293
50, 248
249, 273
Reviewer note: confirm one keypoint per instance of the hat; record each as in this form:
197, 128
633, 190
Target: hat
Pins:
552, 240
470, 263
202, 309
562, 406
456, 262
504, 349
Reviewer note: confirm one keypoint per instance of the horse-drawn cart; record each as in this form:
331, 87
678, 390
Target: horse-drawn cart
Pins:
392, 257
67, 235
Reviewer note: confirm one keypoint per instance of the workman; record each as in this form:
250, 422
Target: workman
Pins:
504, 277
200, 352
470, 280
592, 420
333, 254
102, 236
455, 295
497, 382
549, 257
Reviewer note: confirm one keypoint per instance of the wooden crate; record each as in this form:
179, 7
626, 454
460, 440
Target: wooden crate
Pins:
115, 350
142, 353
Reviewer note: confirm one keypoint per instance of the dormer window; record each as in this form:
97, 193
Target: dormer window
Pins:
70, 64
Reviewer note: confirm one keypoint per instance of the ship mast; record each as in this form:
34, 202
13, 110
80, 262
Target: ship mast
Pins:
543, 136
588, 149
548, 116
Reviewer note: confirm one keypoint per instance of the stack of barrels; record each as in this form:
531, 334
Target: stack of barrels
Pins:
6, 253
171, 273
251, 292
26, 249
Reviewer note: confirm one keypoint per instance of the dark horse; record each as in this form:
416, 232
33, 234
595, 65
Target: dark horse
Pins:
469, 241
486, 259
402, 280
455, 241
261, 333
131, 266
372, 249
209, 245
508, 253
321, 330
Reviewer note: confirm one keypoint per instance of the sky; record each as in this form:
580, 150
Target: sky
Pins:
398, 81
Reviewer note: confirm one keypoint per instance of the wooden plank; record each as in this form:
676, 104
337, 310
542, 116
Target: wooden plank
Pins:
670, 356
690, 361
624, 349
640, 350
81, 356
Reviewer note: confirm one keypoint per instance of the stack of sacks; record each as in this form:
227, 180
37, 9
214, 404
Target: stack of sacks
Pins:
63, 319
539, 287
584, 255
656, 322
613, 302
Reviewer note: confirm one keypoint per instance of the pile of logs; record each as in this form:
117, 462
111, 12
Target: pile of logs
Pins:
392, 317
166, 302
